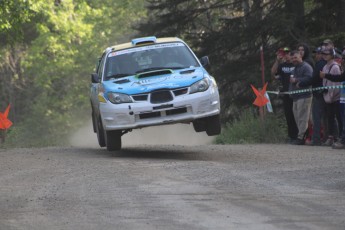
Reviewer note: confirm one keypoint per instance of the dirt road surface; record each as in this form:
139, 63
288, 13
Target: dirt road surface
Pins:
173, 186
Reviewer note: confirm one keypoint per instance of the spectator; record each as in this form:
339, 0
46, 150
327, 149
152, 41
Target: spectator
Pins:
343, 57
340, 144
338, 57
318, 102
302, 74
281, 71
332, 96
303, 49
327, 44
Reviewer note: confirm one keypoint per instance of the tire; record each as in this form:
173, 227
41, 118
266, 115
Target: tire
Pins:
100, 132
113, 140
94, 125
213, 126
199, 125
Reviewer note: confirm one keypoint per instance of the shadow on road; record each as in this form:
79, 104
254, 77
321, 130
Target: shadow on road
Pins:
168, 152
172, 152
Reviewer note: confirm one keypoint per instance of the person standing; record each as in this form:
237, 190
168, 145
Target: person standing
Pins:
318, 103
281, 71
327, 44
340, 144
301, 100
304, 50
332, 96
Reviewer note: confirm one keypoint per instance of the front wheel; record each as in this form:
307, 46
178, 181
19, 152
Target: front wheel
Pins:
113, 140
100, 132
94, 123
213, 126
199, 125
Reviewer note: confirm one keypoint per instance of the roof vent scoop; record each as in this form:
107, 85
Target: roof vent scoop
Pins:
154, 73
144, 40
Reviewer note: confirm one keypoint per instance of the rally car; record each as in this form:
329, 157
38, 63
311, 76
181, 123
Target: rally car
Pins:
148, 82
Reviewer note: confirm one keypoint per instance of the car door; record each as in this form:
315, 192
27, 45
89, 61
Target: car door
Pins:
95, 86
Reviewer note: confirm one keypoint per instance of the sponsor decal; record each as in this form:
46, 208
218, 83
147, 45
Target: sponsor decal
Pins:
143, 48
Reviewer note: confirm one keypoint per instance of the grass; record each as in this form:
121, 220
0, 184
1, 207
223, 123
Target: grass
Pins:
250, 129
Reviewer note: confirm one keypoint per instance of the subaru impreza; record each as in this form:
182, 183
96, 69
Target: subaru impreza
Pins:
149, 82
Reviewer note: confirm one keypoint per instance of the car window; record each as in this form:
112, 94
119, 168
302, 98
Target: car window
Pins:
101, 66
97, 64
140, 59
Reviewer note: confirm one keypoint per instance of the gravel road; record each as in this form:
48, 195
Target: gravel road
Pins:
173, 187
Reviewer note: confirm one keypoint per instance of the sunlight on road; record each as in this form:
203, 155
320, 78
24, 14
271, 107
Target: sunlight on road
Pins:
179, 134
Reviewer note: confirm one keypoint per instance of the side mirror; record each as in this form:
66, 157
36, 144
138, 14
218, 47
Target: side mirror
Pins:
94, 78
204, 61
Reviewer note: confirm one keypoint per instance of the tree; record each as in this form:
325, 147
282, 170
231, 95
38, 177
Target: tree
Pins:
56, 62
232, 31
325, 19
16, 32
295, 10
13, 15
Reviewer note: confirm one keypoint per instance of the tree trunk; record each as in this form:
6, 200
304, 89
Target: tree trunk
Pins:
295, 8
245, 6
341, 15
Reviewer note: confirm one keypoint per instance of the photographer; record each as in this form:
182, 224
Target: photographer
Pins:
281, 71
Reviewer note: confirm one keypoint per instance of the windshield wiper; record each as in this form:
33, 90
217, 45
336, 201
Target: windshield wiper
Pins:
118, 75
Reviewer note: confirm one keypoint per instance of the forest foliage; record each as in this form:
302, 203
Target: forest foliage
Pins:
48, 49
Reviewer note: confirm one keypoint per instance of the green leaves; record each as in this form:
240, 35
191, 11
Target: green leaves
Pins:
62, 40
13, 14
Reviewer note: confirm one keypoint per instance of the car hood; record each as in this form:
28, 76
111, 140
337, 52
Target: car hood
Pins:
154, 80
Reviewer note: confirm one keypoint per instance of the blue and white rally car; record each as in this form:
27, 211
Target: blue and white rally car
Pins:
151, 81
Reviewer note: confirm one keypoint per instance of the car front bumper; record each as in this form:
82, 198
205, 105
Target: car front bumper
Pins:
182, 109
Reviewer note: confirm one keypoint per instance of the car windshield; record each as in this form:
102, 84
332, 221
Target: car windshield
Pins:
148, 58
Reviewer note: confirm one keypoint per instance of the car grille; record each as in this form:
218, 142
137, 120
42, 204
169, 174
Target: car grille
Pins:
163, 113
140, 97
176, 111
179, 92
161, 97
149, 115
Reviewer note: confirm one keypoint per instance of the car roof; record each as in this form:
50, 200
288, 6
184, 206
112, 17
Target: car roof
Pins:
131, 45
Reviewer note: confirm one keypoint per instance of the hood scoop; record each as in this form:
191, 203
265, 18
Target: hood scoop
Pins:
154, 73
187, 71
122, 81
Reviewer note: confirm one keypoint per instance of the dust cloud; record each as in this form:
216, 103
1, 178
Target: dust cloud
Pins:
178, 134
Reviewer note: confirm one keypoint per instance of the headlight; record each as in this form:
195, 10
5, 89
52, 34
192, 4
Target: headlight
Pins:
118, 98
199, 86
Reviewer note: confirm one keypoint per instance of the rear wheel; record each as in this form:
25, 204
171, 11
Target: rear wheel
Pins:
113, 140
213, 126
